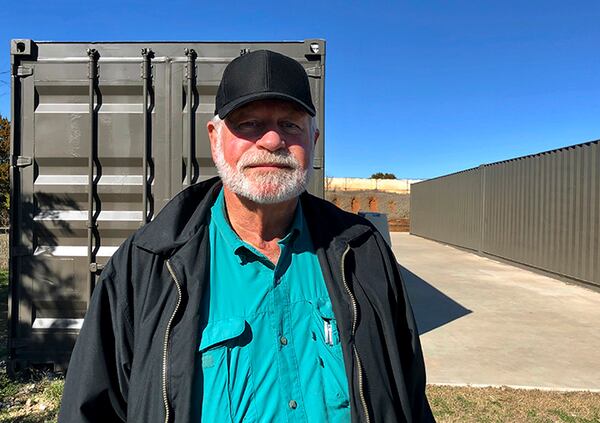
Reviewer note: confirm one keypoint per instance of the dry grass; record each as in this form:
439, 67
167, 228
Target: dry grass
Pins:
32, 399
4, 251
3, 314
466, 404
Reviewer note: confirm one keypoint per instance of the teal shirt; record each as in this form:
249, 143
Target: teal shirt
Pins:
269, 347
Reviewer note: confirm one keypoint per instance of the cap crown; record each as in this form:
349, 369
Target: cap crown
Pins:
263, 74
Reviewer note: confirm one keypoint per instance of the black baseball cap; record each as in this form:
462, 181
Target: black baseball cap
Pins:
259, 75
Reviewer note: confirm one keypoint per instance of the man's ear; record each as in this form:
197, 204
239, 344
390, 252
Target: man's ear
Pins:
317, 133
212, 136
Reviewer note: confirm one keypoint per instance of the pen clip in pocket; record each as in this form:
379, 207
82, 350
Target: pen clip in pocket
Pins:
328, 332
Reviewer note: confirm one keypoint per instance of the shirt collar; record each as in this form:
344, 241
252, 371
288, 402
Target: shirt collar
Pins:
296, 228
219, 217
236, 244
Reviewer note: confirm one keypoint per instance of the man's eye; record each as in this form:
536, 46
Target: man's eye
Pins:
249, 125
291, 127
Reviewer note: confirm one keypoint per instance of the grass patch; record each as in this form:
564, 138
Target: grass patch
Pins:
32, 399
466, 404
8, 388
3, 313
52, 393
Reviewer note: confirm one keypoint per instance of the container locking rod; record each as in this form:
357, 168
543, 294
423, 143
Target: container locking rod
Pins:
91, 224
147, 81
191, 76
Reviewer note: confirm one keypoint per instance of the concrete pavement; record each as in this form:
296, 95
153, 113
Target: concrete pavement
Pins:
484, 322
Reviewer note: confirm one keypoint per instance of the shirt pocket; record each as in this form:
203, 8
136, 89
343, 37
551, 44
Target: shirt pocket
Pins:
225, 372
327, 326
335, 382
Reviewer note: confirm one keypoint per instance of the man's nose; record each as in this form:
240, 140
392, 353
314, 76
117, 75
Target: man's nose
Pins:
271, 140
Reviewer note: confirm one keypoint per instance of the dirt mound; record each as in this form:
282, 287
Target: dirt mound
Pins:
396, 206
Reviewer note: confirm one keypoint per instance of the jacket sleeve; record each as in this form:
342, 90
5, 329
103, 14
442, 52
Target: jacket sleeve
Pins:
97, 380
414, 370
421, 410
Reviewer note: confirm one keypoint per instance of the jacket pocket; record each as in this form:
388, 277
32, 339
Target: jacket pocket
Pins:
225, 372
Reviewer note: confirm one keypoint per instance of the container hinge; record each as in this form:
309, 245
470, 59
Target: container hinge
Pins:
317, 162
96, 267
315, 72
23, 71
146, 65
22, 161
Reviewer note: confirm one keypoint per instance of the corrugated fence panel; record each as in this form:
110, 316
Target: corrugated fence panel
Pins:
550, 214
541, 210
448, 209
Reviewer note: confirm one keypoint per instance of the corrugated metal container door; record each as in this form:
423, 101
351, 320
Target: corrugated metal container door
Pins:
132, 114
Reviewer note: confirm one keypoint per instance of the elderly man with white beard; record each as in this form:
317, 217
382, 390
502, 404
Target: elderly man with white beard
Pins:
247, 299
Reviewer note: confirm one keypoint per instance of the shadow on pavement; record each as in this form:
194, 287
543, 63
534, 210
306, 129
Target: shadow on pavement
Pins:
432, 307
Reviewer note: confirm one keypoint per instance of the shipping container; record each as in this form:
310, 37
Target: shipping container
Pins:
103, 135
541, 210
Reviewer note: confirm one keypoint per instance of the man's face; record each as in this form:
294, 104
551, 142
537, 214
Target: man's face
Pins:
263, 151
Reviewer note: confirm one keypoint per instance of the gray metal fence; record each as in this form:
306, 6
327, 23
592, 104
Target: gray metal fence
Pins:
541, 210
439, 210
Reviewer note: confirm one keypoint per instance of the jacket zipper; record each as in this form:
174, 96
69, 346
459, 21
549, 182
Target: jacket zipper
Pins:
166, 343
361, 392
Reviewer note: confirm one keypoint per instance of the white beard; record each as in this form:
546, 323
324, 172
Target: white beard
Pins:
262, 187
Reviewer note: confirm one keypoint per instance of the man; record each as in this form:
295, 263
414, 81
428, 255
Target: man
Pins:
247, 299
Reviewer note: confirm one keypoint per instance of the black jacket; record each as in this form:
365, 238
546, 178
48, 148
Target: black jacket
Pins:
134, 358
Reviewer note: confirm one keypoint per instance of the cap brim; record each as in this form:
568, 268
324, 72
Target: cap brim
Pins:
241, 101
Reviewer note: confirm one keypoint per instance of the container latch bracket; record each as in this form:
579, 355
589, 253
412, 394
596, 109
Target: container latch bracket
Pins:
96, 267
22, 161
315, 72
23, 71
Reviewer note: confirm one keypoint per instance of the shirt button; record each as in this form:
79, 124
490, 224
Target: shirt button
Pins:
293, 404
283, 340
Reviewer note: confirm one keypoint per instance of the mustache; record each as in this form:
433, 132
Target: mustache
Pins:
258, 158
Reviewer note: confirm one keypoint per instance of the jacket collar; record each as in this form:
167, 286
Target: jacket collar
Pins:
187, 213
180, 219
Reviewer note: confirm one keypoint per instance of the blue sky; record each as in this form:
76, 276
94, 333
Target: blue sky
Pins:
420, 88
